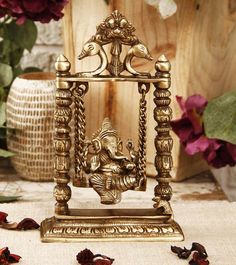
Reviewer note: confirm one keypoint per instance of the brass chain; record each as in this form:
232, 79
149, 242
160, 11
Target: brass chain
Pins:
141, 167
80, 123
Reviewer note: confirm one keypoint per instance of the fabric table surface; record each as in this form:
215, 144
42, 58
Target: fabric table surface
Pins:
211, 223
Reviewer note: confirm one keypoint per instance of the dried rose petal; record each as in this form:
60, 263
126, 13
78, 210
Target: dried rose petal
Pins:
6, 257
176, 249
183, 128
85, 257
27, 224
181, 103
200, 249
196, 102
182, 253
3, 217
4, 253
198, 260
13, 258
185, 254
102, 262
201, 145
4, 261
103, 257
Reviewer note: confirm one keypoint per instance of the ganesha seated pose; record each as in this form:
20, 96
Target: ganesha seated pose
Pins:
111, 171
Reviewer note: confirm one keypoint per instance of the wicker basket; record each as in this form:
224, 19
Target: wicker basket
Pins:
30, 109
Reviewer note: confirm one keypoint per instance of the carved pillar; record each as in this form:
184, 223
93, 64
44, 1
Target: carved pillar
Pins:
62, 141
163, 140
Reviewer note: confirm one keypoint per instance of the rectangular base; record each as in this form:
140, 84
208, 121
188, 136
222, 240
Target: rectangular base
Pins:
111, 225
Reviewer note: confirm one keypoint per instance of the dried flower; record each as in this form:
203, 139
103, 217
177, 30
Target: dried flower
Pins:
190, 130
25, 224
86, 257
199, 254
6, 257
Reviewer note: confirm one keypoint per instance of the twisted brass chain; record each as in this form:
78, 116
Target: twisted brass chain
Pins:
141, 167
79, 113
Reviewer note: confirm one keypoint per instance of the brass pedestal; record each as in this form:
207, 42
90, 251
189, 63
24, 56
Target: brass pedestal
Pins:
111, 225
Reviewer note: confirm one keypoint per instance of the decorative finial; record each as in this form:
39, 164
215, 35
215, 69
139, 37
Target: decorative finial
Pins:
162, 64
62, 64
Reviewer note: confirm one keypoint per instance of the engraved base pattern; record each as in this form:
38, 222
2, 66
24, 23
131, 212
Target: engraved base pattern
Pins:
119, 229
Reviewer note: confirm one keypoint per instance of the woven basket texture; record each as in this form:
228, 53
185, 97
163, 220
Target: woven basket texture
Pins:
30, 110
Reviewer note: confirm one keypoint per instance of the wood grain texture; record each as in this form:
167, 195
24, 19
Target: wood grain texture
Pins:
199, 40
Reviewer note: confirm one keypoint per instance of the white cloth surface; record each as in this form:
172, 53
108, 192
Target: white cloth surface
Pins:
211, 223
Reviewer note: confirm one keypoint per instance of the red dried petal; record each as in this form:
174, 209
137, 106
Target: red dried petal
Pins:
176, 249
4, 253
102, 262
27, 224
3, 217
6, 257
4, 261
199, 262
200, 249
13, 258
104, 258
197, 259
182, 253
196, 102
181, 103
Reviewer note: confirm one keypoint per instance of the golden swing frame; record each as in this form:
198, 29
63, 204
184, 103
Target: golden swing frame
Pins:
153, 224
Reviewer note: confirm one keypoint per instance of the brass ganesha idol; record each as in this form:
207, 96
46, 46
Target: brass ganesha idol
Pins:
111, 171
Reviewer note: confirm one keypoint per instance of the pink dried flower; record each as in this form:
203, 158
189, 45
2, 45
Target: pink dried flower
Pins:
190, 130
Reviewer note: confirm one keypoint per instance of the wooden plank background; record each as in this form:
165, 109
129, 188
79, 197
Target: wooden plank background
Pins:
200, 42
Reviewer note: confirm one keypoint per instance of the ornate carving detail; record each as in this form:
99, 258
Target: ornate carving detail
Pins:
62, 193
163, 140
87, 229
63, 98
62, 145
162, 114
63, 114
164, 144
115, 29
62, 163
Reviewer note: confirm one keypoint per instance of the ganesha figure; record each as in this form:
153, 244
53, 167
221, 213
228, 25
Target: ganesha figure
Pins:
111, 171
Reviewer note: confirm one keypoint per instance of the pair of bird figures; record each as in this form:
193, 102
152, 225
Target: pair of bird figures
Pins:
92, 48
